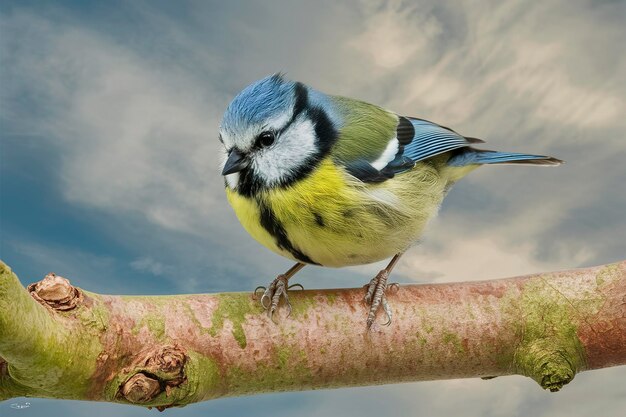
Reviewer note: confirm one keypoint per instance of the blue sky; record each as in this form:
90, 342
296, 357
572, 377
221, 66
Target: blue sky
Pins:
109, 156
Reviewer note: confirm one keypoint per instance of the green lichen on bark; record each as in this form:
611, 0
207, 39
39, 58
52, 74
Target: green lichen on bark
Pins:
454, 340
203, 374
607, 274
154, 322
49, 351
93, 351
300, 305
9, 388
234, 307
549, 349
286, 369
96, 315
331, 297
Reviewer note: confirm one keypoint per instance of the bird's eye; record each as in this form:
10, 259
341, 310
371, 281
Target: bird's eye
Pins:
266, 139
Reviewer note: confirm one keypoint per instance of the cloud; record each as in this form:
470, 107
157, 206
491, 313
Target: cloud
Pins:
486, 72
138, 139
135, 138
502, 396
444, 255
481, 258
384, 38
82, 268
536, 75
517, 77
147, 264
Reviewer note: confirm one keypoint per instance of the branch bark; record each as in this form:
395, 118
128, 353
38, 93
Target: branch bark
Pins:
60, 341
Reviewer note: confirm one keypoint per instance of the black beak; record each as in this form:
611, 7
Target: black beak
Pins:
235, 162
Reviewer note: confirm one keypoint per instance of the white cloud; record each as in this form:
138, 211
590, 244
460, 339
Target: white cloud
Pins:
480, 258
539, 75
591, 393
504, 61
392, 36
147, 264
445, 255
82, 268
135, 138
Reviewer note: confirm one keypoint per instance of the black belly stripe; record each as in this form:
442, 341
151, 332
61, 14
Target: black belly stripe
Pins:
276, 229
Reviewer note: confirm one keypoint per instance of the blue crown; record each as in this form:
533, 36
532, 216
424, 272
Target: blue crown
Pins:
258, 102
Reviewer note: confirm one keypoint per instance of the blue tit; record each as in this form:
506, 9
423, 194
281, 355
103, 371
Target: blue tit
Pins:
333, 181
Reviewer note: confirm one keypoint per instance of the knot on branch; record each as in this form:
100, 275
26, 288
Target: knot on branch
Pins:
56, 292
546, 363
168, 362
158, 370
140, 388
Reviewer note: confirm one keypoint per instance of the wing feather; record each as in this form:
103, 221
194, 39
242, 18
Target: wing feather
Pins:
375, 144
418, 139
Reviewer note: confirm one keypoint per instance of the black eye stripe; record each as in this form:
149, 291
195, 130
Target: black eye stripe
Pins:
301, 104
302, 100
326, 133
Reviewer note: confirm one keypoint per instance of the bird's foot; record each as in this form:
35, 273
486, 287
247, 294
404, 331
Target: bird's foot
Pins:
272, 294
375, 297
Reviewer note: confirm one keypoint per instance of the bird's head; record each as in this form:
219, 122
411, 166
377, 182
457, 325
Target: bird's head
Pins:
274, 132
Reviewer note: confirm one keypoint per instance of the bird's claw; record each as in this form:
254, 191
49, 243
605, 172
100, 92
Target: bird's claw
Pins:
394, 286
370, 287
375, 297
297, 284
387, 310
257, 289
272, 294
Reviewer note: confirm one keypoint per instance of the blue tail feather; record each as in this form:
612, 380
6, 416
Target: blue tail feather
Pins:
471, 156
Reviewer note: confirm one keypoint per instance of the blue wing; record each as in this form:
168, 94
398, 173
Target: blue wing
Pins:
428, 139
418, 139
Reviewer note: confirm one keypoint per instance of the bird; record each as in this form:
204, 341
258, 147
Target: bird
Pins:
334, 181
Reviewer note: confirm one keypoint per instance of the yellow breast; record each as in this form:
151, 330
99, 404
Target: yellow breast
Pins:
332, 219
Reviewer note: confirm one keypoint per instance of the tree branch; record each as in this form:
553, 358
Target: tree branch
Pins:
63, 342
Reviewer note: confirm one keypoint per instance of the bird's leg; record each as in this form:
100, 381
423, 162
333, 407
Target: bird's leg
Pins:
276, 289
375, 295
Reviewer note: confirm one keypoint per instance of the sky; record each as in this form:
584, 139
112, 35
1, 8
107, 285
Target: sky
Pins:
109, 176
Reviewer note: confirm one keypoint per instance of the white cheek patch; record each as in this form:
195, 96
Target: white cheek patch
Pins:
388, 155
288, 154
232, 180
